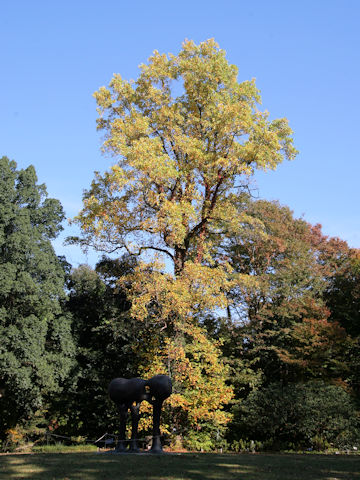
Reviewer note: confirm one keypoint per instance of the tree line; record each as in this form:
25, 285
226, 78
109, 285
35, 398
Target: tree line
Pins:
253, 313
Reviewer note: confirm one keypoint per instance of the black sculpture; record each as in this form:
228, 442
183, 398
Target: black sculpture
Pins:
128, 394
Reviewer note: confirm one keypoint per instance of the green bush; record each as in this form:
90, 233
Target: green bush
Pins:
60, 448
200, 441
242, 445
313, 415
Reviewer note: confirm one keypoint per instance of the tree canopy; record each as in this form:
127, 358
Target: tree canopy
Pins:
36, 347
186, 135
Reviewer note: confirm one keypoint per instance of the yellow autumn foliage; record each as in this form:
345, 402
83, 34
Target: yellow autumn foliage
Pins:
185, 136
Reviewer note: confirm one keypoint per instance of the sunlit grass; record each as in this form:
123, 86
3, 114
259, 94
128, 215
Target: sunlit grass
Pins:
60, 448
190, 466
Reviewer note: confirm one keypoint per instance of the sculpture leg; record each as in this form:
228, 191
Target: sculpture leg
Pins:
156, 443
121, 446
135, 415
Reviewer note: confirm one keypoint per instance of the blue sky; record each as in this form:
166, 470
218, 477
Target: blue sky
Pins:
305, 56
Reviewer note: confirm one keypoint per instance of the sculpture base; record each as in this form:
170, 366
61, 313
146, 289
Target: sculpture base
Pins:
156, 446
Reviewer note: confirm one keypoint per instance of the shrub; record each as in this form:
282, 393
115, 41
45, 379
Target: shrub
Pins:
313, 415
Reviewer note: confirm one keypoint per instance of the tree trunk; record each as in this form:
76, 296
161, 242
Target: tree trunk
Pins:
179, 262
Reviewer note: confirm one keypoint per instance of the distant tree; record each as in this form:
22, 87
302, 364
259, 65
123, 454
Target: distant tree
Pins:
36, 346
285, 322
110, 343
342, 294
342, 297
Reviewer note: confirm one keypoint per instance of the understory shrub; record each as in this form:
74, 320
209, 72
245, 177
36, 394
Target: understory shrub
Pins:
313, 415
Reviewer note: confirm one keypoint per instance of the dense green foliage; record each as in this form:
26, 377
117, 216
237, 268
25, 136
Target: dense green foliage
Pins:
313, 415
36, 346
290, 361
253, 313
107, 340
290, 340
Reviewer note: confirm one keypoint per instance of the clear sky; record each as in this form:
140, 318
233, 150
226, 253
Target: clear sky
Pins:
305, 56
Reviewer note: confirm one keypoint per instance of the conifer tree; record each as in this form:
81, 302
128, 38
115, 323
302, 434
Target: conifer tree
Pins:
36, 347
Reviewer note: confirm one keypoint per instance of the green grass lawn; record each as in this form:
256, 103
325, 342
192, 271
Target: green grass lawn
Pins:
188, 466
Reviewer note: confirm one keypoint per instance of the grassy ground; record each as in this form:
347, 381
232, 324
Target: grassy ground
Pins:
189, 466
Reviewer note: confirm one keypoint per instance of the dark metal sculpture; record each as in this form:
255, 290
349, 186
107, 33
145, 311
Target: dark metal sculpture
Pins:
127, 395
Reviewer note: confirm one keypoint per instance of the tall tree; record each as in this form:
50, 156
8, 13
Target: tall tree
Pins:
286, 324
36, 347
280, 335
187, 136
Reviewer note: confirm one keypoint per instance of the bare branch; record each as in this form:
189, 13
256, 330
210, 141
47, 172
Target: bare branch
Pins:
158, 249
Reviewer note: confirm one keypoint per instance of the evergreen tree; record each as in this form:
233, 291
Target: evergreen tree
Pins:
109, 344
36, 347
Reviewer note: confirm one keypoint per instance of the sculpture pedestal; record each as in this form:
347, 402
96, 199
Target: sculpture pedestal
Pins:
156, 446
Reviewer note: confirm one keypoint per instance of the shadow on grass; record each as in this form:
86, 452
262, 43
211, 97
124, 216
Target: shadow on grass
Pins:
91, 466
